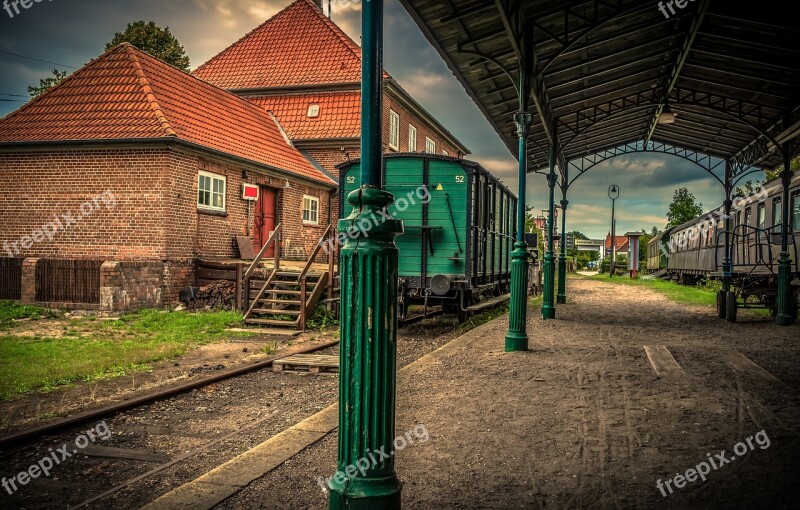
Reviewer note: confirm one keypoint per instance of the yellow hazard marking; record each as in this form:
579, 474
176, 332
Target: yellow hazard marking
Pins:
439, 187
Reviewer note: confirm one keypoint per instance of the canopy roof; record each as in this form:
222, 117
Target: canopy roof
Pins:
602, 70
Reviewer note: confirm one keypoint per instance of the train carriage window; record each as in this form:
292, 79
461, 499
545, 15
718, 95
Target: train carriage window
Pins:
748, 215
762, 215
796, 212
777, 211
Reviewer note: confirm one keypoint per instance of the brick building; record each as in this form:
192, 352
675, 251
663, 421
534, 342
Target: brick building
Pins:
132, 162
161, 158
304, 69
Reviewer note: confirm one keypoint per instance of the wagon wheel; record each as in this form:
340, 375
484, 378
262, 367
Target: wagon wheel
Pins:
721, 295
730, 307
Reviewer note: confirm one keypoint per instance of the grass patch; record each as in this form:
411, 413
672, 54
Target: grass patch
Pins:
685, 294
92, 350
11, 311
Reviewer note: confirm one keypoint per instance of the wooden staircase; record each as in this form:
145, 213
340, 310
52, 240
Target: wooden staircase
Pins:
285, 299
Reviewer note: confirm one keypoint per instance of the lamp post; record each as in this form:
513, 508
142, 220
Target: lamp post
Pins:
613, 194
368, 323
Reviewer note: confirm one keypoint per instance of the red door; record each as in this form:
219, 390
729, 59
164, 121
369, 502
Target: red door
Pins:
264, 219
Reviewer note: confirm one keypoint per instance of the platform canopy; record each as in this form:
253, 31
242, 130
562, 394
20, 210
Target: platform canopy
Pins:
603, 71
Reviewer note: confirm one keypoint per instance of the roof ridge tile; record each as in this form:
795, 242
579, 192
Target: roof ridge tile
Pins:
148, 90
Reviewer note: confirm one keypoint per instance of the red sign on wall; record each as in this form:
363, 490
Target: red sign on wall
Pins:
249, 192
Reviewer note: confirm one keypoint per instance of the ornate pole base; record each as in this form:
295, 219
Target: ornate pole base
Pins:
548, 308
786, 314
368, 356
517, 336
561, 298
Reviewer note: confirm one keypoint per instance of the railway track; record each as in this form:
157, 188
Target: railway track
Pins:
161, 440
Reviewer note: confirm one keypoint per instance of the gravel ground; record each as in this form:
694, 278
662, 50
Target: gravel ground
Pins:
582, 420
250, 409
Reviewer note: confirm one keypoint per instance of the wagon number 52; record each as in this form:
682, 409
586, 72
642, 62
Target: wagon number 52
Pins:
459, 178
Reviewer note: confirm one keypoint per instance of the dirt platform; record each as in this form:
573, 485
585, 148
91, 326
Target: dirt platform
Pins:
582, 420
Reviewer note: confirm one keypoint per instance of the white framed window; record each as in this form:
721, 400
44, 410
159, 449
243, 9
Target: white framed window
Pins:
430, 146
444, 151
394, 130
412, 138
310, 210
211, 191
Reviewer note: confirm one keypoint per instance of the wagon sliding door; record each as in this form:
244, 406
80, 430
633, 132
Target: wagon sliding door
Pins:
403, 178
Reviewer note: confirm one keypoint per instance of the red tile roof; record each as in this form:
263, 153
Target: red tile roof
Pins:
339, 114
126, 93
620, 240
297, 46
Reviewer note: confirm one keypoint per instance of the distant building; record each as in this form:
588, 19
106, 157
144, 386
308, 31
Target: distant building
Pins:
621, 241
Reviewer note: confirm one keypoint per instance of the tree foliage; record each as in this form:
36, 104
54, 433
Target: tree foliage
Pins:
158, 42
749, 189
683, 208
46, 84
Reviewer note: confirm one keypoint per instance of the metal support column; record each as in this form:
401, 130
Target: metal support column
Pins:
368, 325
786, 313
561, 297
517, 336
548, 306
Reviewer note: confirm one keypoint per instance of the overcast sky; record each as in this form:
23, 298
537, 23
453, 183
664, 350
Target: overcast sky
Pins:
70, 32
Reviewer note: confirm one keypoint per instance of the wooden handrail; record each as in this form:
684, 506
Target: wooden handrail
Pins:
315, 252
260, 292
272, 237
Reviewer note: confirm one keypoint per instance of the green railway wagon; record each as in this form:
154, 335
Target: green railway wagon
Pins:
459, 224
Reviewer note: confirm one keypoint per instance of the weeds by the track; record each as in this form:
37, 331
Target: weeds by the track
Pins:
52, 350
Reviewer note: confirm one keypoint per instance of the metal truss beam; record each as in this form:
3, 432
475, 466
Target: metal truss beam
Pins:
672, 79
578, 26
704, 161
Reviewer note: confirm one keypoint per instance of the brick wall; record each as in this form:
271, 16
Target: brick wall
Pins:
130, 285
137, 204
408, 117
50, 205
211, 235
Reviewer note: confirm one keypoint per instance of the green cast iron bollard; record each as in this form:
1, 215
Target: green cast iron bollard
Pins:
368, 351
366, 480
561, 298
548, 306
517, 336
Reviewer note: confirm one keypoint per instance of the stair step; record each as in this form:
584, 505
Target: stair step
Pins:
297, 275
270, 322
276, 311
280, 301
282, 291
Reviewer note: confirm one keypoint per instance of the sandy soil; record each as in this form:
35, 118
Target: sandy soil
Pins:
582, 420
